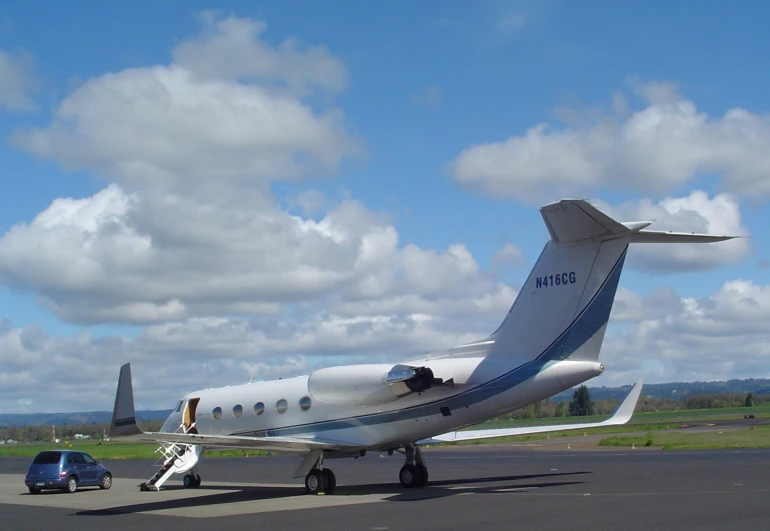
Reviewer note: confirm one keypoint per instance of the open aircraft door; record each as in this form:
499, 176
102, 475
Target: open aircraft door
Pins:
188, 417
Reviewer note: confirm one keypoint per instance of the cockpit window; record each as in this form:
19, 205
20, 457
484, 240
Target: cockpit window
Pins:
179, 406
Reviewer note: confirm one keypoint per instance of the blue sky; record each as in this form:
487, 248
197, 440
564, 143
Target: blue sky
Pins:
169, 152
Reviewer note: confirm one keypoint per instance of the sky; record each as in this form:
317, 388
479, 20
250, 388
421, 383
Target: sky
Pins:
234, 191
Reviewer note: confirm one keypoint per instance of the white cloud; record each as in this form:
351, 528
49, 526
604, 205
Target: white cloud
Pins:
653, 150
16, 81
230, 48
171, 359
666, 338
662, 337
189, 240
696, 212
509, 255
138, 258
171, 126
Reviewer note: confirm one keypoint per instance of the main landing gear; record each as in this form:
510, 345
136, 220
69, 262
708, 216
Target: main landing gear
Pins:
320, 480
414, 473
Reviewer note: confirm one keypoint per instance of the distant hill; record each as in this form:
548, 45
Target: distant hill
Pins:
88, 417
758, 386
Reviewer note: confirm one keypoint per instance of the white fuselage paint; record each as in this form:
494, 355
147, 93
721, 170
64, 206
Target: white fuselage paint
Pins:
377, 435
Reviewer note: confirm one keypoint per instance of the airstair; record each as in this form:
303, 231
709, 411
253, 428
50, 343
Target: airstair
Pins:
177, 459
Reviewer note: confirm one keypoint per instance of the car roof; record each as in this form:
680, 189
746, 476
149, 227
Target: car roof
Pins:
64, 452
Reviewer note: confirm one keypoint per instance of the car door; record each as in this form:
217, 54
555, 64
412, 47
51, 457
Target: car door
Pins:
92, 468
78, 462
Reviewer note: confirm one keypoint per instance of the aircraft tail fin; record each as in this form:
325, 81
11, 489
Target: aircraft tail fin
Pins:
563, 308
123, 415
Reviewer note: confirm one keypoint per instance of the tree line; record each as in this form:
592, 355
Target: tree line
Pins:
64, 432
582, 404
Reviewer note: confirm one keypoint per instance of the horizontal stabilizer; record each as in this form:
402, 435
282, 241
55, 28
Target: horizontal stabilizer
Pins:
651, 236
621, 416
576, 220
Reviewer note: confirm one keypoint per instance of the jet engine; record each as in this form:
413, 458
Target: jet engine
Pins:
369, 384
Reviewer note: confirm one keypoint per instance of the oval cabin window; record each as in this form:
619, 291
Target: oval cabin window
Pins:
237, 410
304, 403
281, 406
216, 412
259, 408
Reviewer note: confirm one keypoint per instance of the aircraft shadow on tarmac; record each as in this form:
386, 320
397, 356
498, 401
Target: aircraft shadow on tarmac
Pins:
435, 489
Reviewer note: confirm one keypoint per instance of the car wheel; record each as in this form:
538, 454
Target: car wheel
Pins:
72, 484
33, 490
106, 481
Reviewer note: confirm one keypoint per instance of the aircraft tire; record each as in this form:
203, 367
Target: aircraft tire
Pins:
423, 475
315, 482
410, 476
331, 481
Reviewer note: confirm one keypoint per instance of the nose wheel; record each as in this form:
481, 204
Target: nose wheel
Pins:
191, 481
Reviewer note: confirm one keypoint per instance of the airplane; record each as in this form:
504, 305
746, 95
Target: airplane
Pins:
548, 342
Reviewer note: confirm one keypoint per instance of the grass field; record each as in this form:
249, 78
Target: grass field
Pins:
756, 437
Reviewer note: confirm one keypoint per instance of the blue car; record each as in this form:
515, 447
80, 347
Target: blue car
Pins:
66, 470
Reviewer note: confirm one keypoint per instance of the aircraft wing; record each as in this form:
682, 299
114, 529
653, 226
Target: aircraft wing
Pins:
270, 444
125, 428
621, 416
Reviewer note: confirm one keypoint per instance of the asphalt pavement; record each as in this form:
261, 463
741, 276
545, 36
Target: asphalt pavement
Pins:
473, 487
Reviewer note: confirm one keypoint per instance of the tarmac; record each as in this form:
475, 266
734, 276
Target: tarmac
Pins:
542, 485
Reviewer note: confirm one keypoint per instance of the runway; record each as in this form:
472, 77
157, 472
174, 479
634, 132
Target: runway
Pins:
472, 487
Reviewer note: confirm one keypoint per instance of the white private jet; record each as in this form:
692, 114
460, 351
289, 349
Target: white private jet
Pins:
549, 342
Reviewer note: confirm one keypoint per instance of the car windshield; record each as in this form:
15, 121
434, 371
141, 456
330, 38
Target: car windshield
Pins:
47, 458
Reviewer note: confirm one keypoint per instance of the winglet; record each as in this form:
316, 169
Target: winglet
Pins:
626, 408
123, 416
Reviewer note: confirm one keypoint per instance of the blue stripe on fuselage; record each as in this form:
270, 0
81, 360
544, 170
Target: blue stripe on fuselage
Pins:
593, 317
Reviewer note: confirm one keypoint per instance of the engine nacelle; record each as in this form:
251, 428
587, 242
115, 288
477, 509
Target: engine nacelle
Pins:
369, 384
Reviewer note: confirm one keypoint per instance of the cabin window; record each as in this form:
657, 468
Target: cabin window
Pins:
237, 410
304, 403
216, 412
281, 406
259, 408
